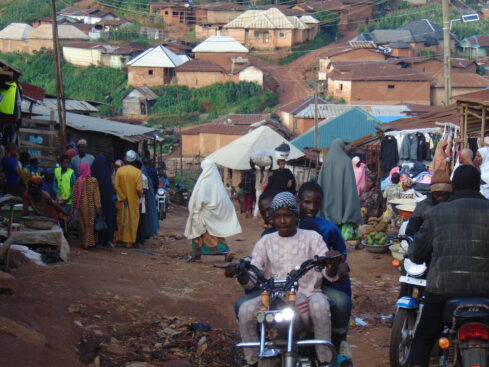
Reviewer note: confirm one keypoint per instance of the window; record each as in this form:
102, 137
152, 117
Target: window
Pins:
391, 86
175, 13
257, 34
150, 72
143, 108
265, 37
341, 86
166, 12
281, 35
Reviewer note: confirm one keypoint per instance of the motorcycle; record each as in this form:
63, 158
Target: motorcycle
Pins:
162, 202
464, 341
284, 340
182, 194
409, 306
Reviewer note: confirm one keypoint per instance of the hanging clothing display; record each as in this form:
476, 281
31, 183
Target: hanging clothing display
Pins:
409, 147
422, 147
389, 155
7, 99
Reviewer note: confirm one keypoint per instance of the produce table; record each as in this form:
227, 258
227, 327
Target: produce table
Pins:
26, 236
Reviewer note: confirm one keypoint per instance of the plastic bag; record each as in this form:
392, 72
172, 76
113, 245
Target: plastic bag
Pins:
261, 158
100, 223
349, 232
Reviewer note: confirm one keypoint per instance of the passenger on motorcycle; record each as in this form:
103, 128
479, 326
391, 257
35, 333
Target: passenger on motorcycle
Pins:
339, 293
275, 255
455, 238
440, 191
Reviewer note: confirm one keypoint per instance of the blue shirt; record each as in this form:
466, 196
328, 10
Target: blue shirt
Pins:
333, 238
9, 165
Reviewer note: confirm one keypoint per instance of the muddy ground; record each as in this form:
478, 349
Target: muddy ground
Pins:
118, 307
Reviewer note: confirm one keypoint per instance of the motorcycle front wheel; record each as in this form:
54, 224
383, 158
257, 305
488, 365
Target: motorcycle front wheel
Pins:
401, 337
270, 362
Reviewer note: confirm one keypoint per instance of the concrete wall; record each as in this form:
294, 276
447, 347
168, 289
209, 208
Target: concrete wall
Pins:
428, 66
36, 45
251, 74
13, 46
287, 119
204, 144
177, 15
340, 89
151, 77
270, 39
82, 56
200, 79
131, 107
438, 94
353, 55
390, 92
304, 125
222, 16
221, 59
403, 52
206, 31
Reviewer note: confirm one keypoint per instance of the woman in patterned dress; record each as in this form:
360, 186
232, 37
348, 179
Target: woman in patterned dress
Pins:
86, 199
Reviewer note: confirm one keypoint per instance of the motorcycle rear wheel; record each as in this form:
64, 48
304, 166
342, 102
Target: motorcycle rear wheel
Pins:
270, 362
400, 344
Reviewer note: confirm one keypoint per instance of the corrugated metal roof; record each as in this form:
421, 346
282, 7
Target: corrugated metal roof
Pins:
309, 19
16, 31
71, 105
271, 18
350, 126
65, 32
142, 91
90, 123
328, 111
220, 44
158, 56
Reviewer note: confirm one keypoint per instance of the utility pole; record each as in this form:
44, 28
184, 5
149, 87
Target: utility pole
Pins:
447, 67
60, 94
316, 127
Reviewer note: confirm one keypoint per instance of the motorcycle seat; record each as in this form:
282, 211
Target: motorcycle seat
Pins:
452, 304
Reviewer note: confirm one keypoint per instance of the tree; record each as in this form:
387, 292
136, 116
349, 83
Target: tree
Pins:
329, 21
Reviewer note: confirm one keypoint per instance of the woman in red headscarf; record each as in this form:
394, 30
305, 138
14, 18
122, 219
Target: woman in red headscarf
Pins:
41, 202
86, 201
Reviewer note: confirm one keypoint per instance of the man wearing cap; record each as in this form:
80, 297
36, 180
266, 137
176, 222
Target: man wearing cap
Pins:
276, 254
440, 191
41, 202
82, 156
129, 188
454, 238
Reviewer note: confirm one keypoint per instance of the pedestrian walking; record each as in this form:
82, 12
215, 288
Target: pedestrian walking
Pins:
82, 156
65, 180
102, 172
359, 169
212, 217
151, 221
86, 206
129, 189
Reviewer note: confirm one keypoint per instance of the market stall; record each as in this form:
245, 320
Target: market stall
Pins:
473, 113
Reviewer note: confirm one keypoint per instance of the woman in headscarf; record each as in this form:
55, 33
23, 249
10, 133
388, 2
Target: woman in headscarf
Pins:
86, 199
371, 199
102, 172
482, 160
441, 160
359, 171
341, 203
212, 216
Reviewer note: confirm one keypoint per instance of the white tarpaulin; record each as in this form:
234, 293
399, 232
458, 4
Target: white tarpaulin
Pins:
236, 155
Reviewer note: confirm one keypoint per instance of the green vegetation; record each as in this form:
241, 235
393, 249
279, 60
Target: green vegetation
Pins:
129, 33
27, 11
100, 84
179, 104
321, 40
329, 21
427, 53
432, 12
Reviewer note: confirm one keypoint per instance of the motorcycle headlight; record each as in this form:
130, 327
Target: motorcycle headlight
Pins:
288, 314
414, 270
260, 317
161, 191
279, 317
269, 317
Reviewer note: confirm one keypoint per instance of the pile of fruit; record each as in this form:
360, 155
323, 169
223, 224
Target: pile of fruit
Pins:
376, 239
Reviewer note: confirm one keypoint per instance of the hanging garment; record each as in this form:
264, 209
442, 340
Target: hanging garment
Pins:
441, 161
389, 155
422, 149
7, 99
409, 147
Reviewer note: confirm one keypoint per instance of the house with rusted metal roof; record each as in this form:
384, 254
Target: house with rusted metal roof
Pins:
87, 15
138, 101
289, 111
269, 29
475, 46
210, 18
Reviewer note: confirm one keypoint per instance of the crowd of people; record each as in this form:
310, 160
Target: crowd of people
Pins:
105, 204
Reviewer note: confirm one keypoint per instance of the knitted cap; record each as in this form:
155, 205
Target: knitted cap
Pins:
440, 181
284, 200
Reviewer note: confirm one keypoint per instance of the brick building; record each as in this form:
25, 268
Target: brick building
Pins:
210, 18
156, 66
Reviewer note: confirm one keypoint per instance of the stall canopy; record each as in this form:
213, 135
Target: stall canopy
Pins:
236, 155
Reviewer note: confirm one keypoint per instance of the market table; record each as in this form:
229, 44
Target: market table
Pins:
26, 236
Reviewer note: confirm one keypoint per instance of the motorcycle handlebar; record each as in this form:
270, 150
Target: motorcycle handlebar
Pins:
402, 237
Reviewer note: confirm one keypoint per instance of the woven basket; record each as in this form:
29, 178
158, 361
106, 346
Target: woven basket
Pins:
40, 223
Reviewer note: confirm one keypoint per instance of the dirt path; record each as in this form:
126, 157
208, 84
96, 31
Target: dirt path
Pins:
292, 77
115, 306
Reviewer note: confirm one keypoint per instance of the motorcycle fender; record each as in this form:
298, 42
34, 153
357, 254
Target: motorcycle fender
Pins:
409, 303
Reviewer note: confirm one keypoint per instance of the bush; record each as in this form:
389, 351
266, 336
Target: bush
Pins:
27, 11
321, 40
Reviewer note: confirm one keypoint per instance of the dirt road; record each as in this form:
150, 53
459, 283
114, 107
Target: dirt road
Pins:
111, 307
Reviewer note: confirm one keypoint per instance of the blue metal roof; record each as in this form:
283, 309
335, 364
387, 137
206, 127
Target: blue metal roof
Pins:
352, 125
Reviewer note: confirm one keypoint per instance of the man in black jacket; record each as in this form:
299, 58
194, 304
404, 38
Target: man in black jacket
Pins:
455, 239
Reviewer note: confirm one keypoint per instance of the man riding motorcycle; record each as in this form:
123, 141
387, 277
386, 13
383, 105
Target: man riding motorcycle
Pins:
454, 238
275, 255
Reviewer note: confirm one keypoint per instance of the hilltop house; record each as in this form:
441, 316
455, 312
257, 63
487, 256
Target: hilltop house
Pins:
222, 50
100, 54
175, 12
42, 36
346, 54
418, 35
210, 18
475, 46
86, 15
13, 38
155, 66
269, 29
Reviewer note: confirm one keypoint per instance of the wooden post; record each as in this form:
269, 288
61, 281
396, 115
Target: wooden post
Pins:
60, 94
483, 125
